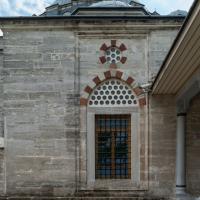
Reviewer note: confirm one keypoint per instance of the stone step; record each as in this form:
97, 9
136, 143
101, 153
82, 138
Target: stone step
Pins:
111, 194
80, 198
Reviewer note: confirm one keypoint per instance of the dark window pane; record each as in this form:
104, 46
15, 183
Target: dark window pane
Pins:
112, 150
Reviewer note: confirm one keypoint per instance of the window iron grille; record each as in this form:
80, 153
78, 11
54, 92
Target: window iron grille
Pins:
112, 146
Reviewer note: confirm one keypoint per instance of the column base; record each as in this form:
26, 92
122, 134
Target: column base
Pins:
181, 190
181, 194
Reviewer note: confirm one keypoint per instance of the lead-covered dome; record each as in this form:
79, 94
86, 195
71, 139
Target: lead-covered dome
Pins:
61, 2
112, 3
178, 13
96, 8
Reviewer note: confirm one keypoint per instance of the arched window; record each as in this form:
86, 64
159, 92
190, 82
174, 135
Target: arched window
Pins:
112, 93
114, 135
112, 104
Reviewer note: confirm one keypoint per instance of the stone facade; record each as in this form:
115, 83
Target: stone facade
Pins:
47, 65
193, 147
40, 110
2, 158
162, 145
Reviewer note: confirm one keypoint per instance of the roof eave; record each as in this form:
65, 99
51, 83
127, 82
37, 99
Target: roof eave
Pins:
173, 47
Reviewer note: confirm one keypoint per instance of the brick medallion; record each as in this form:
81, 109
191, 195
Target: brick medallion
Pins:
113, 54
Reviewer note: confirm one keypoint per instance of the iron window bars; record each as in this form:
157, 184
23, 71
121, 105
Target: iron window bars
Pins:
112, 146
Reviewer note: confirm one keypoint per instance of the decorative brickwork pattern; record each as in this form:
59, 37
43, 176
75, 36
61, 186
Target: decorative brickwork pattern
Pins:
142, 102
103, 47
107, 74
83, 101
130, 80
88, 89
119, 74
97, 80
138, 91
114, 75
102, 59
113, 54
122, 47
123, 60
113, 43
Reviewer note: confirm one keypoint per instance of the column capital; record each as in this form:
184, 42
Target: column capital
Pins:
181, 107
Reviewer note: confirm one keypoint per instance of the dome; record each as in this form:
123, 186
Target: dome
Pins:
61, 2
112, 3
137, 1
133, 1
178, 13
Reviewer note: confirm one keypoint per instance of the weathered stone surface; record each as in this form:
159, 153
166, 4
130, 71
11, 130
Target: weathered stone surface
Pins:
160, 42
2, 125
193, 147
44, 68
38, 92
162, 145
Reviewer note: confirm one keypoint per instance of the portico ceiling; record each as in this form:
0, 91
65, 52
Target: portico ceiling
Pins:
183, 59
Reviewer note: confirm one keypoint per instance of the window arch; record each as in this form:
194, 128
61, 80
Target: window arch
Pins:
112, 132
112, 93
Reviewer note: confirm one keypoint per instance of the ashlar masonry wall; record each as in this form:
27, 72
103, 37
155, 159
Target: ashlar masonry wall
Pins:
46, 66
193, 146
40, 106
162, 145
2, 156
159, 43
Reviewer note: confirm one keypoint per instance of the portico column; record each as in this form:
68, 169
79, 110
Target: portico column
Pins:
180, 153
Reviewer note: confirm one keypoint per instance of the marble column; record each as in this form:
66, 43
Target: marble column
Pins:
181, 153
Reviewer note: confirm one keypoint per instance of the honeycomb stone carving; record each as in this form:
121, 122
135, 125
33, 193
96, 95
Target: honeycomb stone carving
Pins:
112, 92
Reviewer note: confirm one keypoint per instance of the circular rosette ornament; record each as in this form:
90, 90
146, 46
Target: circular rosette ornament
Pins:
113, 54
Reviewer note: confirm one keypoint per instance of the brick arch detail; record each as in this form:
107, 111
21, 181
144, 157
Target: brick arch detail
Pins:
108, 75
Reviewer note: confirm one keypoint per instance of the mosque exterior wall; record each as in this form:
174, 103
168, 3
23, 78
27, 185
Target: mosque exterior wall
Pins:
2, 158
46, 67
162, 145
193, 146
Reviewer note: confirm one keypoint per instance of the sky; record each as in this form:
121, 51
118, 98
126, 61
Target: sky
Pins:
30, 7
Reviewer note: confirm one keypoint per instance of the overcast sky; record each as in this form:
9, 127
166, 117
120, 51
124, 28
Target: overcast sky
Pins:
30, 7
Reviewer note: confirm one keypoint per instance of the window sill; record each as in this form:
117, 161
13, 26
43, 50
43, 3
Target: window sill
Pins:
113, 184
